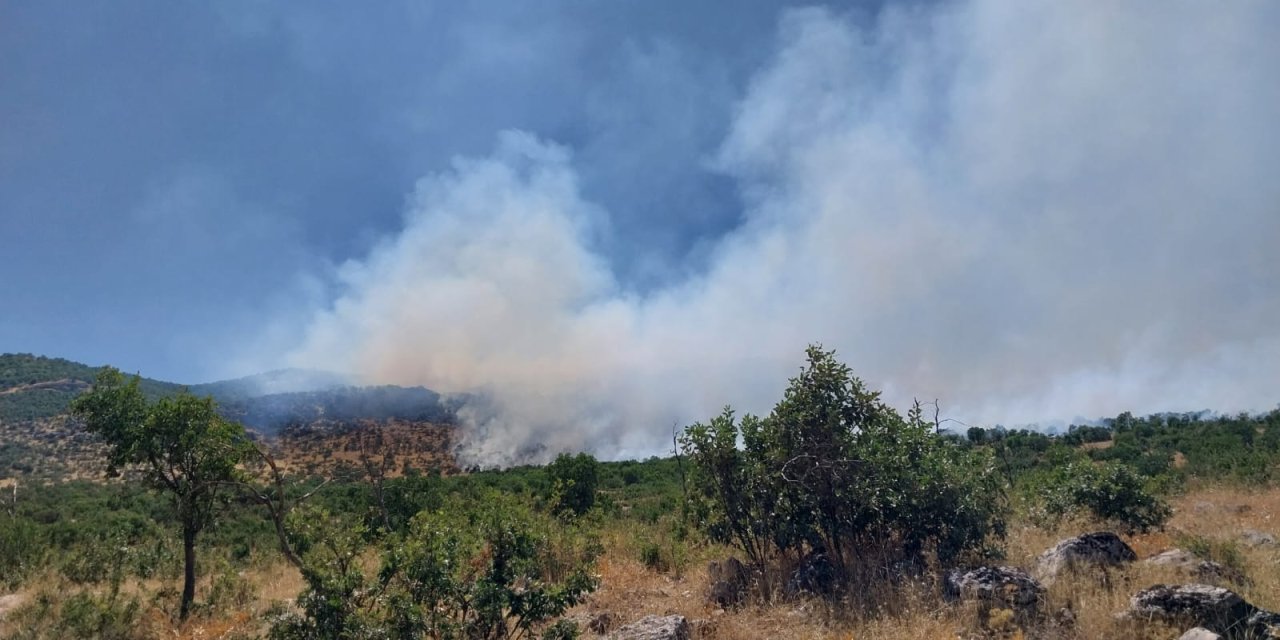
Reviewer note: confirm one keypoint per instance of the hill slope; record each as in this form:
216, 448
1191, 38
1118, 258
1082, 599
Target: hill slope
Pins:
308, 414
34, 387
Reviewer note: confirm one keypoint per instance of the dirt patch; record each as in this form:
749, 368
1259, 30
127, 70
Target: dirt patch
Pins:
65, 384
10, 602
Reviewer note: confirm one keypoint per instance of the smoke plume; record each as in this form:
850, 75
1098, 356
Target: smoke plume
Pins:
1032, 211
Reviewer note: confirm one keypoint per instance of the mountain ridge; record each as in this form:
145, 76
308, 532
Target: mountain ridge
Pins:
319, 423
34, 387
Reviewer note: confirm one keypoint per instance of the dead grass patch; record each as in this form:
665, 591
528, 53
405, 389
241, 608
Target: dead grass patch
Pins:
630, 590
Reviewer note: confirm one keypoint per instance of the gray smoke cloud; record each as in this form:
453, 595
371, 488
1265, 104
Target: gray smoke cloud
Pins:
1032, 211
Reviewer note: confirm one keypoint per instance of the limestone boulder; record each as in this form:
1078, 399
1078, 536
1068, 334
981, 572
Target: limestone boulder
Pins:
1198, 569
1255, 538
1215, 609
655, 628
1006, 587
1199, 633
1100, 549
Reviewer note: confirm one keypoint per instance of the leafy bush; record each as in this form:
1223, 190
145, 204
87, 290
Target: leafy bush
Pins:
21, 550
834, 470
651, 556
476, 568
574, 479
83, 614
1111, 492
561, 630
229, 591
333, 604
478, 574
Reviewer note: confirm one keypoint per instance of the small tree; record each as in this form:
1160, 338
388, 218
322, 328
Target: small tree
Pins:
833, 469
733, 500
573, 483
180, 444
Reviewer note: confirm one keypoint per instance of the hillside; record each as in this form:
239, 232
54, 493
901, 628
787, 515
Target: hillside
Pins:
269, 414
307, 416
34, 387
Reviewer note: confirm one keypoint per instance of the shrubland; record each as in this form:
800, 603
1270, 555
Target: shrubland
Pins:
845, 512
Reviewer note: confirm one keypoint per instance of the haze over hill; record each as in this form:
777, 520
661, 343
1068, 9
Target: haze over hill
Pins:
34, 387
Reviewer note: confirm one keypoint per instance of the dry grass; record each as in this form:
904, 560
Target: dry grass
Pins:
267, 586
630, 590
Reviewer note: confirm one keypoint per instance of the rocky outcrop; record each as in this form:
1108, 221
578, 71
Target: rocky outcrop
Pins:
596, 622
1100, 549
816, 574
1199, 633
1263, 624
1006, 587
655, 628
1215, 609
1196, 568
730, 582
1255, 538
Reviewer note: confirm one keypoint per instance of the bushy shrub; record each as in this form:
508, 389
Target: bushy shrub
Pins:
573, 483
229, 591
834, 470
1111, 492
474, 569
82, 614
561, 630
651, 556
478, 573
85, 615
21, 550
336, 602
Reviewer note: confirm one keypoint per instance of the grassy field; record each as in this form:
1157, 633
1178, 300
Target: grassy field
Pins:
236, 602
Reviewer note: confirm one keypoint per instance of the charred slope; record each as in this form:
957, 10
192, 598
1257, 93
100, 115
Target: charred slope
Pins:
320, 426
272, 413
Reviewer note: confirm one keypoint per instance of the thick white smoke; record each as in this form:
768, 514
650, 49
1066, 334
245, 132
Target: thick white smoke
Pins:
1032, 211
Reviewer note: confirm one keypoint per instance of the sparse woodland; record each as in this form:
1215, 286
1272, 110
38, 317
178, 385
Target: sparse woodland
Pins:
833, 516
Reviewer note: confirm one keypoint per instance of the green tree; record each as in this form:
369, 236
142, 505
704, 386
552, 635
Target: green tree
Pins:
573, 482
734, 498
834, 469
179, 444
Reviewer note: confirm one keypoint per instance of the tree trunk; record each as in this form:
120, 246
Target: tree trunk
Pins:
188, 570
278, 519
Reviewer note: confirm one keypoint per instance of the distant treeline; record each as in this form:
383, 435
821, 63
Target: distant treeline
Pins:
1243, 447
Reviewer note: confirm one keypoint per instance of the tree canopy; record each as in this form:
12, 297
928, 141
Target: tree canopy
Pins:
832, 470
179, 445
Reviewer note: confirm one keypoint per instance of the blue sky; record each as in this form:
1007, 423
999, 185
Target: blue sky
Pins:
616, 215
170, 168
